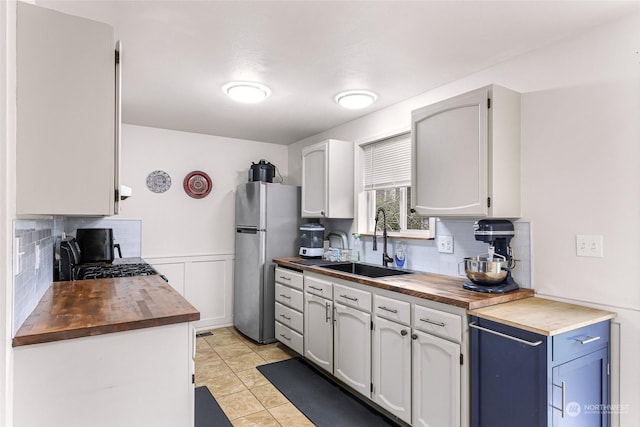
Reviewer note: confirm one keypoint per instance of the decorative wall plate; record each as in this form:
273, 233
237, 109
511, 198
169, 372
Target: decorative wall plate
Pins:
158, 181
197, 184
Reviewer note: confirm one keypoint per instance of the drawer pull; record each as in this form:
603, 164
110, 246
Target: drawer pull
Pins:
349, 298
285, 317
315, 288
441, 324
564, 398
588, 340
285, 296
390, 310
285, 278
500, 334
285, 337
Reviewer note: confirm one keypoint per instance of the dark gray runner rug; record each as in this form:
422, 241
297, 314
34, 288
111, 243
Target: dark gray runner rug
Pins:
208, 412
324, 402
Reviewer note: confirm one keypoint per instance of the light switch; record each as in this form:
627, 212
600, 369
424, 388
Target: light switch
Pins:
589, 246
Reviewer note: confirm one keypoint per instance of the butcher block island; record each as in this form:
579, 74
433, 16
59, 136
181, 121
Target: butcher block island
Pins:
106, 352
100, 306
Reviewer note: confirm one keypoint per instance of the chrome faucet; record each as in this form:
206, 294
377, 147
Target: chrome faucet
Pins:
386, 259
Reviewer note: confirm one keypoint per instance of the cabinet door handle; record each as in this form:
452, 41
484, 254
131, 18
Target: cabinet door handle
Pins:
285, 278
390, 310
285, 337
322, 213
442, 324
414, 336
500, 334
327, 312
403, 332
587, 340
349, 298
285, 317
563, 401
285, 296
315, 288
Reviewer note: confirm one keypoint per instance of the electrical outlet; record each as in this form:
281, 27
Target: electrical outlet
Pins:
37, 256
589, 246
445, 244
17, 257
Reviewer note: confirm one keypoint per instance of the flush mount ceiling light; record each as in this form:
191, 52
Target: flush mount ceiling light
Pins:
356, 99
246, 92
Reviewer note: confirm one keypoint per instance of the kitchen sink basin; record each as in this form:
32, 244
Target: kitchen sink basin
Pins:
366, 270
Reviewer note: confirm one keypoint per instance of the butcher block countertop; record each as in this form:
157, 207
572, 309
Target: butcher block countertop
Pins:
543, 316
101, 306
434, 287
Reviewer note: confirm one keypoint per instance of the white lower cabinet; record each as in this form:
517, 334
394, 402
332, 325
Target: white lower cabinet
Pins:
391, 356
352, 341
318, 331
289, 337
288, 310
436, 381
403, 353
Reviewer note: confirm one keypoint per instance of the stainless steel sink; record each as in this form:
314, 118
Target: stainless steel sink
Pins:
366, 270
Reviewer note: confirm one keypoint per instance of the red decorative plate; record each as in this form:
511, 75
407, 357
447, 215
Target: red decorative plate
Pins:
197, 184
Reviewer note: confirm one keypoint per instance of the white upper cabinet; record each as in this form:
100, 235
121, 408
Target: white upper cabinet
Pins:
466, 155
67, 114
327, 180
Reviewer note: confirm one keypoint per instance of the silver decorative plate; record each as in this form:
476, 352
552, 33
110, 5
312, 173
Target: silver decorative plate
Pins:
158, 181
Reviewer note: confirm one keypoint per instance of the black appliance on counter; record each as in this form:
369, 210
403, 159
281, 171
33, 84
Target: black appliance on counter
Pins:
492, 273
96, 260
96, 245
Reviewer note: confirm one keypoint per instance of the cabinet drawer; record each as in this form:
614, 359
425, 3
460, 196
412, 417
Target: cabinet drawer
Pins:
352, 297
289, 337
289, 277
289, 296
321, 288
392, 309
289, 317
580, 341
437, 322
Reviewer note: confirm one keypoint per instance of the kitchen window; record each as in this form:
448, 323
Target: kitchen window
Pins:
387, 184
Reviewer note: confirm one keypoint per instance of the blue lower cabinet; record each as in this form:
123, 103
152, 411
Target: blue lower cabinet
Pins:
520, 378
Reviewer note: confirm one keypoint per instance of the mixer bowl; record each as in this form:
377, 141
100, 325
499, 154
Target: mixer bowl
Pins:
483, 270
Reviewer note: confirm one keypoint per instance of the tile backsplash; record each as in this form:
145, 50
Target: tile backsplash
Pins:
34, 254
423, 255
33, 262
126, 232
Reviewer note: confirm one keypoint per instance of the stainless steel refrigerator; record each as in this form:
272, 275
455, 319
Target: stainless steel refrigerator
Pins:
267, 219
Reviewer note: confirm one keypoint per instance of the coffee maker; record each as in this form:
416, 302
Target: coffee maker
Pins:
492, 273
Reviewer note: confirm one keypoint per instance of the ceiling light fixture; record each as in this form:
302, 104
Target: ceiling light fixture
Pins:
356, 99
246, 92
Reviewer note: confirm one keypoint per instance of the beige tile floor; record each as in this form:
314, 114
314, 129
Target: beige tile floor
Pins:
226, 363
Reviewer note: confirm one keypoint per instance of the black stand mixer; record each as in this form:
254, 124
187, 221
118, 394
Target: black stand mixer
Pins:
492, 273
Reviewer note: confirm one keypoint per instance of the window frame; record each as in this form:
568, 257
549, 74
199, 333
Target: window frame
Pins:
366, 209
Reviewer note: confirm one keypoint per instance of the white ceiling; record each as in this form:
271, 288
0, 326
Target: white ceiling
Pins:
178, 54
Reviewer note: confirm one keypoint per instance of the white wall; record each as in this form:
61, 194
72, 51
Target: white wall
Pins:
174, 224
7, 199
191, 241
580, 172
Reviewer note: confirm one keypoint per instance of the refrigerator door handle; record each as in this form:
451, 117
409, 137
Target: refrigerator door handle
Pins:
247, 230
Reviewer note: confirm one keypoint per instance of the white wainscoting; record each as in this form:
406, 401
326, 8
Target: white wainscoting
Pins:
206, 281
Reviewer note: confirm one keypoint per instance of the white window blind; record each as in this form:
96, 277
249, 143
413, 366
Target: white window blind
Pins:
388, 163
